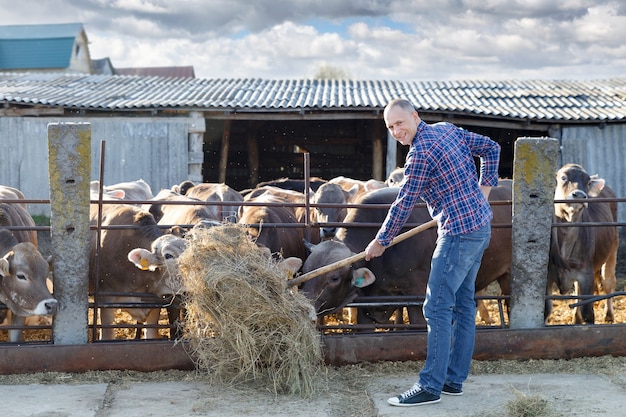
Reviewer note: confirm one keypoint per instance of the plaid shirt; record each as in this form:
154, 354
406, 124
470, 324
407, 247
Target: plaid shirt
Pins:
440, 169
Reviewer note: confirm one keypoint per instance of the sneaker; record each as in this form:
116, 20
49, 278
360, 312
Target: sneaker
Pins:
414, 396
448, 390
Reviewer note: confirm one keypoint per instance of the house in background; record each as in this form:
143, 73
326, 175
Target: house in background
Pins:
45, 48
175, 72
64, 48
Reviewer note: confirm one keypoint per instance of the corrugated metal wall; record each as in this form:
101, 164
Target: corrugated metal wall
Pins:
600, 151
153, 149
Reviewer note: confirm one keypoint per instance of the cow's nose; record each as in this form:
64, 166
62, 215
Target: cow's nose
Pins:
51, 306
578, 194
328, 232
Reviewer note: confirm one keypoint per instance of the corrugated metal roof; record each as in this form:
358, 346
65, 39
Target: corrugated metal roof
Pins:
540, 100
37, 46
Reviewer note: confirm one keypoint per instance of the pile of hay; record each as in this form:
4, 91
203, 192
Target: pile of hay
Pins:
243, 323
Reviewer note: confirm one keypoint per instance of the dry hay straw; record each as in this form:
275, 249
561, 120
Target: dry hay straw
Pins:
243, 323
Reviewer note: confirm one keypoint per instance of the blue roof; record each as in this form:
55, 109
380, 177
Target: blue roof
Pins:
37, 46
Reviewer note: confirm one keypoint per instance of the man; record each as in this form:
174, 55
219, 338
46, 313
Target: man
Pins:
440, 169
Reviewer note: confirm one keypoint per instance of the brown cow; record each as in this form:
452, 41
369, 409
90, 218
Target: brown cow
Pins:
10, 193
583, 255
293, 184
179, 214
214, 192
331, 193
395, 177
339, 190
258, 220
402, 269
117, 275
23, 270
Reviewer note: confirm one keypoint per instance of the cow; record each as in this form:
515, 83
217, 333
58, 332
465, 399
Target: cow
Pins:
10, 193
214, 192
23, 270
295, 201
115, 274
349, 184
184, 215
407, 276
403, 269
585, 256
293, 184
339, 190
395, 177
258, 221
332, 193
129, 191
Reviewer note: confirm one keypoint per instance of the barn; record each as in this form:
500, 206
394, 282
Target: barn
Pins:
244, 131
241, 132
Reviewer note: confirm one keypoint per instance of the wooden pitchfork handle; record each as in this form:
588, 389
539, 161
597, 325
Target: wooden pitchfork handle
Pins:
354, 258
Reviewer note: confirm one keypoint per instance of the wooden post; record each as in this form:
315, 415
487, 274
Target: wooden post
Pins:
534, 166
392, 154
377, 156
253, 154
69, 148
195, 145
224, 151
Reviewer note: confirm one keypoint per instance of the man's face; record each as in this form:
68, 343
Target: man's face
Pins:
402, 124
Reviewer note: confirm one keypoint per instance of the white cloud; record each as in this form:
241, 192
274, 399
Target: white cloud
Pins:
383, 39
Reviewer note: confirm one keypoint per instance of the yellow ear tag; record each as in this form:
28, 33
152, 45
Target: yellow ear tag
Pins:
144, 264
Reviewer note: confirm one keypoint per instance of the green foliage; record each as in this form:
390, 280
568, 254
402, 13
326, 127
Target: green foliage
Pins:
328, 72
41, 220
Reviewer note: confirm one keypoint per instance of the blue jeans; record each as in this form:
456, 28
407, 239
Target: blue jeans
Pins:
450, 309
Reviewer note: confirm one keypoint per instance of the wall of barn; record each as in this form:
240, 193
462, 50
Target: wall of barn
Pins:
153, 149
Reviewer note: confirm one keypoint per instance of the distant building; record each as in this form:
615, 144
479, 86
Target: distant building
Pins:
64, 48
102, 66
176, 72
44, 48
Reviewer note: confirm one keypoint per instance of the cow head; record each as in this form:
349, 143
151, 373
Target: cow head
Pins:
330, 193
331, 291
23, 275
573, 183
163, 258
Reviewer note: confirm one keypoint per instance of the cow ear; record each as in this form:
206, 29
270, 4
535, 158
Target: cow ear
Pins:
595, 185
4, 267
352, 192
117, 194
143, 259
308, 246
363, 277
290, 265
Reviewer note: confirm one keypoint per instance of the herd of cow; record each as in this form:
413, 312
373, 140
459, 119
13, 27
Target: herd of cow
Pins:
141, 260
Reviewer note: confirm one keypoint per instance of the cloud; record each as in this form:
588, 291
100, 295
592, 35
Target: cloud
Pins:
371, 39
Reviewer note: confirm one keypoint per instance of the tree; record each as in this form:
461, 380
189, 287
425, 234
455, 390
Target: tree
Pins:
329, 72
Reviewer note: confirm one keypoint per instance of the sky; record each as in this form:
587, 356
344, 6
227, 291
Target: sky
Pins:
412, 40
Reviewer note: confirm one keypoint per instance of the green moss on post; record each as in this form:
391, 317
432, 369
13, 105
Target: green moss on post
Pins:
534, 166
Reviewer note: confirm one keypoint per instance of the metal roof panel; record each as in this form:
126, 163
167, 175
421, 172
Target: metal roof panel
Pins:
532, 99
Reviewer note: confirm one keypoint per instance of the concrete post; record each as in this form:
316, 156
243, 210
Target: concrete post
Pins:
534, 167
69, 149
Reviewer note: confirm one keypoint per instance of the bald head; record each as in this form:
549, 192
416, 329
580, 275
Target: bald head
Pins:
402, 120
